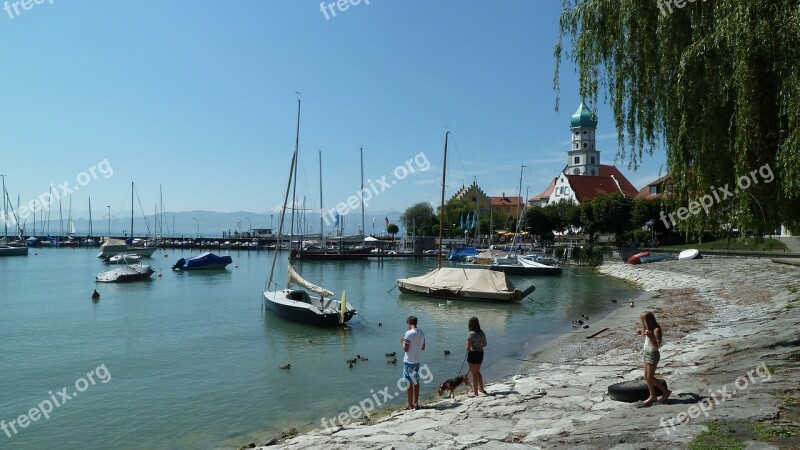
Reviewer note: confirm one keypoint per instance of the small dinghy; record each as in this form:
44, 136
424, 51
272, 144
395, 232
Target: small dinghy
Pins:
637, 258
692, 253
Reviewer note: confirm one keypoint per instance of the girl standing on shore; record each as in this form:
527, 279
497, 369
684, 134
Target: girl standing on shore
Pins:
653, 339
476, 342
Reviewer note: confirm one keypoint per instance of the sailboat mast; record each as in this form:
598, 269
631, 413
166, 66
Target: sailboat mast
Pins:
285, 199
132, 187
477, 202
5, 222
441, 205
321, 208
293, 176
362, 194
90, 216
519, 213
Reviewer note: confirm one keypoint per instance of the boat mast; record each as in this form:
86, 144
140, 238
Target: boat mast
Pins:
441, 205
519, 213
321, 209
477, 201
132, 187
285, 199
362, 195
293, 178
90, 216
5, 222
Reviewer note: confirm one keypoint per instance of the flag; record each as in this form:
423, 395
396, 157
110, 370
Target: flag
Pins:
335, 220
386, 219
469, 221
474, 218
373, 221
462, 221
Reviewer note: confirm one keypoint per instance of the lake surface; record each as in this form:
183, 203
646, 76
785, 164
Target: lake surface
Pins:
191, 360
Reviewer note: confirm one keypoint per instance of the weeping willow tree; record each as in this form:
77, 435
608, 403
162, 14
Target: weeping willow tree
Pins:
715, 82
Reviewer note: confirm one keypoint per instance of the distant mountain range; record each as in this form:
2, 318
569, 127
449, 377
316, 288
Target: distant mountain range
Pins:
211, 224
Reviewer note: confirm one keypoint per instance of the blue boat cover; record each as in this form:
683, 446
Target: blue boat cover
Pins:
204, 259
461, 253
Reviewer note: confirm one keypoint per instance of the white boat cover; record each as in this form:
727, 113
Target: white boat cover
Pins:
113, 245
465, 283
295, 278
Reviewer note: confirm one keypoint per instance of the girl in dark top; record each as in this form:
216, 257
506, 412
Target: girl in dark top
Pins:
476, 342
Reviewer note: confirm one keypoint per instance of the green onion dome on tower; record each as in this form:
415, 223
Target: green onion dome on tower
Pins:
584, 117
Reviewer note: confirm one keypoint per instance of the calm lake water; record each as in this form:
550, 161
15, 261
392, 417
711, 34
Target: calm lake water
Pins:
192, 360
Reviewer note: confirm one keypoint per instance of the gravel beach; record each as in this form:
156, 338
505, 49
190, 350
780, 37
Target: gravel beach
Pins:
731, 349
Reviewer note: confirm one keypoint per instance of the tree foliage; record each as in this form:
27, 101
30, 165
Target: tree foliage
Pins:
392, 229
717, 83
420, 214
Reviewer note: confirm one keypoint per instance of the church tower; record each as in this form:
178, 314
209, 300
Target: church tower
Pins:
584, 158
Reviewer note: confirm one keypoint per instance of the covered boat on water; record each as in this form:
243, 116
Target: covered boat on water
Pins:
132, 272
464, 284
204, 261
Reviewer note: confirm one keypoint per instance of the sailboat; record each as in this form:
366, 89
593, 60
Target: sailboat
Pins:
113, 247
297, 304
459, 282
5, 249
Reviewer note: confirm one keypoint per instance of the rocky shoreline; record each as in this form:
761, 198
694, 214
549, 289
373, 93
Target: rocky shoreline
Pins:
730, 354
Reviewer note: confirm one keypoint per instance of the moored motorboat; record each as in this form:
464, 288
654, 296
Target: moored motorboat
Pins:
132, 272
113, 247
204, 261
123, 258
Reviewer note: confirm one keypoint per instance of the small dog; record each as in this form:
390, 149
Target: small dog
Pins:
453, 383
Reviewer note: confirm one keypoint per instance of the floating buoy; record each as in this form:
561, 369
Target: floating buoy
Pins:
166, 255
380, 324
159, 275
95, 295
36, 254
236, 266
446, 352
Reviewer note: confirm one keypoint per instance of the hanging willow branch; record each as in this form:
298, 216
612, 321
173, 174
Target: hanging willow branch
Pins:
717, 82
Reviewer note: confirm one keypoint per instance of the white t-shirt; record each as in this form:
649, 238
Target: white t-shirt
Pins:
415, 338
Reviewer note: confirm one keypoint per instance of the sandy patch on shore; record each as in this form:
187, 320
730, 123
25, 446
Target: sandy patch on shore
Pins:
731, 345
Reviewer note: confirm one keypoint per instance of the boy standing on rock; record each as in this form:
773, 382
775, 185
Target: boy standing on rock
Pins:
413, 344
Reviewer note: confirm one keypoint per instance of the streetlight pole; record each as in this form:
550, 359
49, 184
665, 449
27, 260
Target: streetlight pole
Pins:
109, 221
270, 223
198, 226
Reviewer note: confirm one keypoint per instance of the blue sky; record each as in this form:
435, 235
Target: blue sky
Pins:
199, 97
